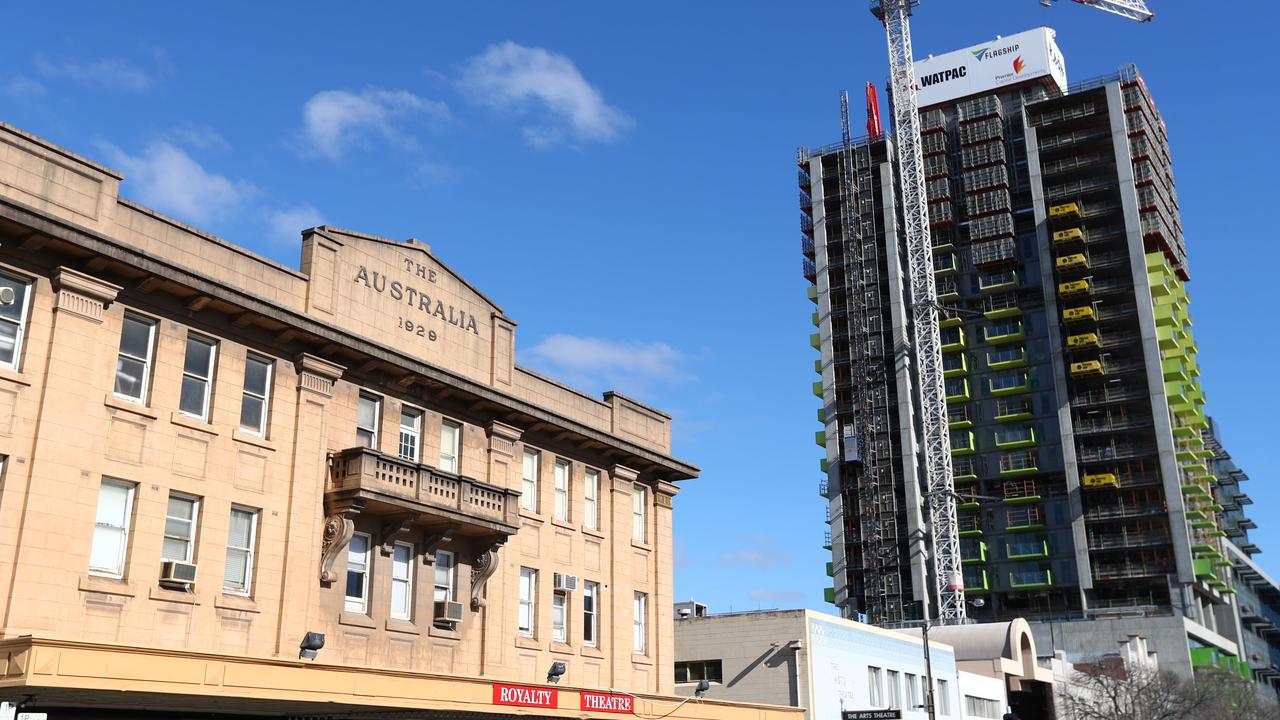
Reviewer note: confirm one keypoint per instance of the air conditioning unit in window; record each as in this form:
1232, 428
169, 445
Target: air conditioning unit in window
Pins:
447, 611
565, 583
174, 572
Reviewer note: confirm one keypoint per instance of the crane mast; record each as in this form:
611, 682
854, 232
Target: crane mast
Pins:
940, 496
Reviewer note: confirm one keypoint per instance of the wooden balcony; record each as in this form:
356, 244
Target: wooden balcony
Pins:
375, 483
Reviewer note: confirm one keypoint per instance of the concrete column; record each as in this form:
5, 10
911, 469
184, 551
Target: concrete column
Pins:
660, 570
303, 542
620, 582
504, 471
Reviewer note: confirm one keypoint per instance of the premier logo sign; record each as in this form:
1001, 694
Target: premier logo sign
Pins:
524, 696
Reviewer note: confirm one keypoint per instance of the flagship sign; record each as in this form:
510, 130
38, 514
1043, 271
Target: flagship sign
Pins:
608, 702
524, 696
419, 299
985, 67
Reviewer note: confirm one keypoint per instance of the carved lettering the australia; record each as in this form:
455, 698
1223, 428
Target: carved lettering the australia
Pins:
416, 297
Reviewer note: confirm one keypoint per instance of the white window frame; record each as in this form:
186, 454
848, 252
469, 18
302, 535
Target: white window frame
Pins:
410, 435
563, 479
358, 604
875, 687
206, 380
250, 551
942, 701
590, 617
639, 623
146, 361
21, 322
450, 448
377, 419
639, 513
122, 556
402, 575
451, 589
913, 692
530, 473
591, 499
264, 397
560, 617
895, 690
528, 608
190, 540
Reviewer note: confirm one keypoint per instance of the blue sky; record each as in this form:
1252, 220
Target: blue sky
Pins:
621, 179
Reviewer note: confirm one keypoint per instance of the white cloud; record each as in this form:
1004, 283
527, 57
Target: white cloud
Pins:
107, 73
760, 552
512, 77
333, 120
200, 137
286, 224
164, 177
609, 364
23, 86
763, 595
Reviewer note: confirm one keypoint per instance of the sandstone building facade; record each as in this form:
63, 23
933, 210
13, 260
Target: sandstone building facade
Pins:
207, 456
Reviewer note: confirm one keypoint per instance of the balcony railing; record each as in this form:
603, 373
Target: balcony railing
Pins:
370, 478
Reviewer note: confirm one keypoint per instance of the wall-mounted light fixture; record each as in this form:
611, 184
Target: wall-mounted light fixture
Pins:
557, 670
311, 644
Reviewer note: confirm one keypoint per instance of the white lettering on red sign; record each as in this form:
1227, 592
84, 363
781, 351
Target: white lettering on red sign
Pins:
524, 696
608, 702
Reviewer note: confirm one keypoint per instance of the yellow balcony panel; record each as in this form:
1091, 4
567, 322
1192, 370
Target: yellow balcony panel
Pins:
1083, 340
1075, 287
1074, 261
1069, 235
1065, 210
1079, 314
1100, 480
1005, 333
951, 322
1086, 369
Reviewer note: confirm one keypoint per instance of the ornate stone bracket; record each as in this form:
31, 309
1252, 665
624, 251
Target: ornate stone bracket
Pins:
337, 533
387, 535
83, 295
436, 540
483, 568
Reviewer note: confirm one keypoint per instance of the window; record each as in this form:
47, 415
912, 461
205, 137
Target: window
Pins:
698, 670
1003, 327
559, 617
639, 500
238, 575
913, 692
1018, 460
368, 414
13, 320
1013, 406
957, 414
528, 601
111, 528
402, 581
590, 613
133, 365
961, 440
953, 361
639, 611
529, 481
956, 387
590, 495
1012, 353
874, 691
981, 707
358, 573
894, 696
197, 377
446, 574
410, 434
951, 336
942, 702
256, 401
1007, 380
450, 440
180, 528
562, 490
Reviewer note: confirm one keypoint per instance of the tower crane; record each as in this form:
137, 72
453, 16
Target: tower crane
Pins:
948, 580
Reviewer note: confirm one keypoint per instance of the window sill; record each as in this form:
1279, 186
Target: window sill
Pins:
192, 423
174, 596
592, 533
531, 516
129, 406
641, 659
13, 377
561, 648
254, 440
564, 524
235, 602
528, 643
437, 631
356, 620
592, 652
106, 585
641, 546
401, 626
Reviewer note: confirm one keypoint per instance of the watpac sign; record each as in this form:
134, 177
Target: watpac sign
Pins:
1003, 61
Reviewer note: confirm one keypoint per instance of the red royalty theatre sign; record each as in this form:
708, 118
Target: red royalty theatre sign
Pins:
608, 702
544, 697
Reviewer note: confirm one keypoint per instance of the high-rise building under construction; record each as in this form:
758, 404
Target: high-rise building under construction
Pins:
1076, 419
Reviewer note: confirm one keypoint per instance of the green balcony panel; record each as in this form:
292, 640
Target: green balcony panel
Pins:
817, 366
823, 465
1002, 313
822, 415
815, 340
975, 581
1014, 472
820, 438
1202, 568
1009, 441
812, 293
817, 388
830, 569
1206, 657
1004, 337
1027, 550
1031, 580
829, 594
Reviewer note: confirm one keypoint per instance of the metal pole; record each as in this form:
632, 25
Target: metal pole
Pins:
928, 675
